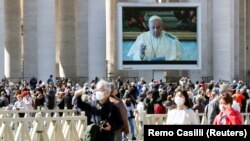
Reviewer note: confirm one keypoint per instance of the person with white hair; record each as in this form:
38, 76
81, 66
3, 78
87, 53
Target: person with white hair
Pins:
103, 113
156, 44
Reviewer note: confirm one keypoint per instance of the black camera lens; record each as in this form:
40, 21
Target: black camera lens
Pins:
104, 125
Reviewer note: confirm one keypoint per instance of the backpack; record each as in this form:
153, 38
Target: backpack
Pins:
91, 132
2, 103
94, 129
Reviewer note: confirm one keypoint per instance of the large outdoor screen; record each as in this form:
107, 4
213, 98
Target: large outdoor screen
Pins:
160, 36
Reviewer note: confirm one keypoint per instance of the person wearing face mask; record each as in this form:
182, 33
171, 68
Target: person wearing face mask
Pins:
183, 114
227, 115
103, 113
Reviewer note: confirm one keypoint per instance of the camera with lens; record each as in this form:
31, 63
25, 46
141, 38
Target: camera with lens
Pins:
103, 124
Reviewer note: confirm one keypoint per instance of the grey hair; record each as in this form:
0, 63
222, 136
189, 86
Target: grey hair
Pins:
105, 85
224, 87
154, 17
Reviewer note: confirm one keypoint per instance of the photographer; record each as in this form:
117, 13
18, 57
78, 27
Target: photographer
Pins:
103, 113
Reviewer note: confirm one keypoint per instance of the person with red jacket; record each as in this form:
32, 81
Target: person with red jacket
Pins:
228, 115
159, 108
239, 97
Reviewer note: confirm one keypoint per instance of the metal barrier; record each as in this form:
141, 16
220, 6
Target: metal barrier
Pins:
160, 119
207, 79
42, 125
66, 125
74, 80
33, 113
124, 79
175, 79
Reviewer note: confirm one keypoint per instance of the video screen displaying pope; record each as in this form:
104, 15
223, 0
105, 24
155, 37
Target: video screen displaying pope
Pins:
156, 44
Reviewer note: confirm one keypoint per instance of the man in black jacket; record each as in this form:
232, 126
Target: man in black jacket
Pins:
104, 113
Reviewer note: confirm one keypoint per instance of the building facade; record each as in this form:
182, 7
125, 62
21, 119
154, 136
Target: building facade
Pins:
77, 38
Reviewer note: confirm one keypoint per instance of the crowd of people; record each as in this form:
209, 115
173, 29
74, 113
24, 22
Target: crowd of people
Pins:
113, 105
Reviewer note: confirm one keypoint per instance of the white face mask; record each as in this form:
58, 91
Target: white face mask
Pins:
178, 100
222, 107
99, 95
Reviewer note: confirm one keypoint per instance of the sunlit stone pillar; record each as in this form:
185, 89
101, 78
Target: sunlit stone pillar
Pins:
30, 38
81, 38
12, 52
248, 37
97, 39
66, 37
2, 35
223, 39
46, 38
111, 43
241, 36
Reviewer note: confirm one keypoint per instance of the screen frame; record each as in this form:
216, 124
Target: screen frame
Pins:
144, 66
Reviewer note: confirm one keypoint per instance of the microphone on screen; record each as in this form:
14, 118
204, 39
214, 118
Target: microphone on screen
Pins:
142, 51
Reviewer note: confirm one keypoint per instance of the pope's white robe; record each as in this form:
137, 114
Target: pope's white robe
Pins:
165, 47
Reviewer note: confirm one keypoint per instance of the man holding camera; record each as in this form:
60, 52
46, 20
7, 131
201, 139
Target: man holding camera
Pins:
104, 114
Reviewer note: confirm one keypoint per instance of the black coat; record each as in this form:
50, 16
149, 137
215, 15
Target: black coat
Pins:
105, 112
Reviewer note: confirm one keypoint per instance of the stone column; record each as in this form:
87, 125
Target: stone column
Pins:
46, 38
81, 38
241, 36
30, 38
248, 37
66, 38
97, 39
2, 38
57, 32
223, 39
111, 45
143, 1
206, 42
12, 53
180, 0
111, 42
